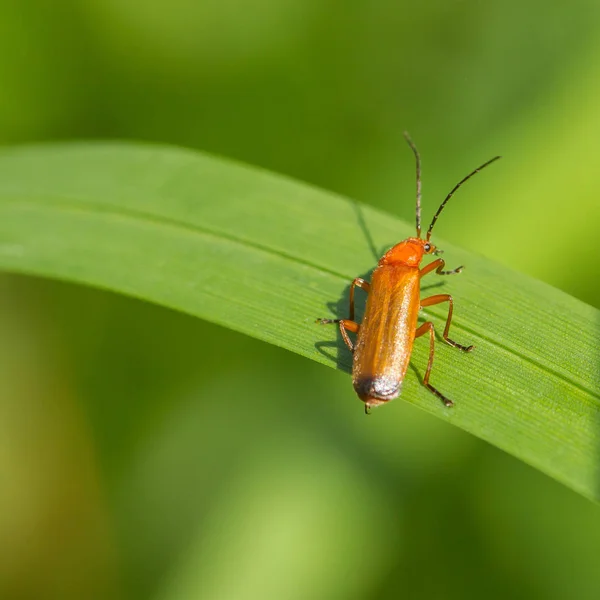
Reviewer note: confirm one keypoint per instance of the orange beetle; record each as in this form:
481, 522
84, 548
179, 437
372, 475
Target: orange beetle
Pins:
389, 327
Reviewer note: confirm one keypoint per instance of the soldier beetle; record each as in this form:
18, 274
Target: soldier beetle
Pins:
389, 327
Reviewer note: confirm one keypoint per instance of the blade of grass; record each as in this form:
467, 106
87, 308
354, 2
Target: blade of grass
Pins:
265, 256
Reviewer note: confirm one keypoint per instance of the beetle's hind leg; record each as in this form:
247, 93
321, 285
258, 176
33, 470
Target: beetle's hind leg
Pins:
422, 330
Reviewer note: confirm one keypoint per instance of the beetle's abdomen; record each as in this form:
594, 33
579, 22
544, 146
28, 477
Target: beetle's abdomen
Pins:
381, 387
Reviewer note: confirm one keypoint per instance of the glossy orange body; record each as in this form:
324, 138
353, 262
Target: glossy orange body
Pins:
386, 335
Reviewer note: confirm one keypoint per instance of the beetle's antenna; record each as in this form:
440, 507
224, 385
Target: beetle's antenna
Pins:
439, 210
418, 158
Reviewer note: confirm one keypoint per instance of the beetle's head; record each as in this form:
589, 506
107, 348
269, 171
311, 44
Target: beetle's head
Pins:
410, 252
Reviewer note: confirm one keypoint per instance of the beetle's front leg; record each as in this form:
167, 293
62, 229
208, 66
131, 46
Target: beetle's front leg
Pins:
438, 266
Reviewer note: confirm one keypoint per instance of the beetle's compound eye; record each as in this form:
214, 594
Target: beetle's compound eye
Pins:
427, 247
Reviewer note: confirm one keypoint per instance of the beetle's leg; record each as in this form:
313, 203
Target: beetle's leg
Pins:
349, 324
438, 299
428, 326
358, 282
345, 326
361, 283
438, 265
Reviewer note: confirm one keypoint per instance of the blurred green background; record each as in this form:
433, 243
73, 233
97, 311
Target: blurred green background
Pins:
146, 454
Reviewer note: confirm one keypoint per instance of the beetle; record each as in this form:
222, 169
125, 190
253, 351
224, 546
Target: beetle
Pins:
389, 327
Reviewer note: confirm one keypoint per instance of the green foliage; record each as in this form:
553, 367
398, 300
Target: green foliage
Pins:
146, 453
265, 256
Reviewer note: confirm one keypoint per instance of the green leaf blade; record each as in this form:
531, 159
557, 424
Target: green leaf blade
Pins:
266, 256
